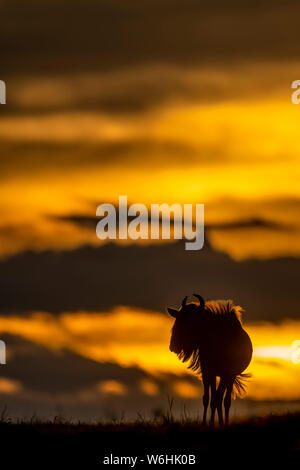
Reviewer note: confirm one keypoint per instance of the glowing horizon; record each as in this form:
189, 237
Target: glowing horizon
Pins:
120, 337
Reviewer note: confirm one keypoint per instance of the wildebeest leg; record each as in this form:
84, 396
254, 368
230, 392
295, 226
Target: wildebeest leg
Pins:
227, 401
213, 400
206, 385
219, 399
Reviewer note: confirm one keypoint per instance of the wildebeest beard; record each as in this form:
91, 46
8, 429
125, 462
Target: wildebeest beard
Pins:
186, 345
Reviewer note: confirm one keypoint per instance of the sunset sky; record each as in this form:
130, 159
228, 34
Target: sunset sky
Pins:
162, 101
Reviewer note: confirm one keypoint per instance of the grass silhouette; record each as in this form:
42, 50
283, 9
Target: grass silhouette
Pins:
62, 443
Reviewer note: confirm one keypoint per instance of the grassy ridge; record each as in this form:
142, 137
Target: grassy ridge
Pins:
62, 443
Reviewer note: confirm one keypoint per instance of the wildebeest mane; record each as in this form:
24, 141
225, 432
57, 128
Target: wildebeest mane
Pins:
219, 312
224, 308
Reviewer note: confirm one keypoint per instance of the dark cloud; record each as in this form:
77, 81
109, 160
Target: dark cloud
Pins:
255, 222
148, 87
63, 382
48, 371
51, 36
270, 363
151, 276
36, 157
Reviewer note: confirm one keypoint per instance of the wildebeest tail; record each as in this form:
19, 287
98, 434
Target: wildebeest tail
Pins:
239, 385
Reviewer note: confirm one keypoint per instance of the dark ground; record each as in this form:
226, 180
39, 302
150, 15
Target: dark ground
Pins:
65, 445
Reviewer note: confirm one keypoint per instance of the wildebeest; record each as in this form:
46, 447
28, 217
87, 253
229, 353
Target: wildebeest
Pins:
210, 336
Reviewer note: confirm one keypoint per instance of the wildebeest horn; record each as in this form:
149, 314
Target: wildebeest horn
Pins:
184, 301
201, 300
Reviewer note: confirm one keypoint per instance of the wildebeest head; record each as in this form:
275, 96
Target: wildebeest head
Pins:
183, 331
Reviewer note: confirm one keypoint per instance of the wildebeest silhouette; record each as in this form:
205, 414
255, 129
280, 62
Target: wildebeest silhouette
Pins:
210, 336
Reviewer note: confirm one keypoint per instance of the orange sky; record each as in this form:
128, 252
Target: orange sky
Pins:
239, 157
121, 336
243, 162
165, 102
